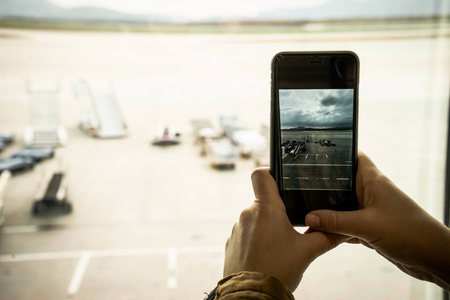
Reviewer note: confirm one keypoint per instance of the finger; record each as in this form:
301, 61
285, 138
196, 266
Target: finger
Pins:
359, 241
350, 223
353, 241
318, 243
367, 172
264, 187
364, 159
366, 244
309, 230
345, 238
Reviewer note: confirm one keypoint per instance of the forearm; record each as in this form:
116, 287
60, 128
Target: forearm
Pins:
252, 285
426, 256
440, 268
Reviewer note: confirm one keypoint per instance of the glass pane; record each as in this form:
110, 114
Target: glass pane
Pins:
164, 212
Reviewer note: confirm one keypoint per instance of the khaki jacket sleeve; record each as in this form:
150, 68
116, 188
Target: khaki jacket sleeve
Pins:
252, 285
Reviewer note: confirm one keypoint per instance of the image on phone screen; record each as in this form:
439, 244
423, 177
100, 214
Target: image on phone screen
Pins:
316, 138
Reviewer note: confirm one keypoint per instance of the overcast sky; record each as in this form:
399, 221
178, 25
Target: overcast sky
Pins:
316, 108
193, 8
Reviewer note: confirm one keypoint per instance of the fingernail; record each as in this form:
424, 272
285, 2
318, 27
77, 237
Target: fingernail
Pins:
312, 220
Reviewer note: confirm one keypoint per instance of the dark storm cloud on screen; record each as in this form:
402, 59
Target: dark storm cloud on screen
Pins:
316, 108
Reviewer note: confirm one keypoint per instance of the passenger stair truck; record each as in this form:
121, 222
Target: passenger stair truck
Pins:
45, 128
102, 118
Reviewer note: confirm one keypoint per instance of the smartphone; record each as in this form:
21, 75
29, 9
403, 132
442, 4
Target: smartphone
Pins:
314, 130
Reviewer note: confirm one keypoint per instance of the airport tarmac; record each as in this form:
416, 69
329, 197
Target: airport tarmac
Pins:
318, 165
161, 214
148, 223
151, 222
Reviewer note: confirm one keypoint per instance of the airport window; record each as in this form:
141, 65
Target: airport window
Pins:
156, 122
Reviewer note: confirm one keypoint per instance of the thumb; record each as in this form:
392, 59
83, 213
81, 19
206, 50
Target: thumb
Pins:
265, 188
342, 222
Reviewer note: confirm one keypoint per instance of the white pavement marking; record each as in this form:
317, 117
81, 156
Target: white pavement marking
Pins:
20, 229
77, 277
172, 282
172, 259
171, 267
39, 256
106, 253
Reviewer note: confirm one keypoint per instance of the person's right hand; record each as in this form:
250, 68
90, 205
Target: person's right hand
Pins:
390, 222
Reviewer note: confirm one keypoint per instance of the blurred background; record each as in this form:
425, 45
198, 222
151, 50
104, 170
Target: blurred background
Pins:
146, 120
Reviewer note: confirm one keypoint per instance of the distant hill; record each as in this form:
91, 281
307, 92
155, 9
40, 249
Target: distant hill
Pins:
315, 128
46, 10
333, 9
346, 9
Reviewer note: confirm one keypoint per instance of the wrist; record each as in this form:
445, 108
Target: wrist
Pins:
252, 285
439, 260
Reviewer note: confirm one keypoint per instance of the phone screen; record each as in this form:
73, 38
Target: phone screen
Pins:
314, 130
316, 138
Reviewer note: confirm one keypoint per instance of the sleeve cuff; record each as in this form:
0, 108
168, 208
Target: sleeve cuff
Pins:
252, 285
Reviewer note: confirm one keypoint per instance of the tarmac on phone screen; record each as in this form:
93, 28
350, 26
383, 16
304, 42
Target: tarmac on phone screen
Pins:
320, 160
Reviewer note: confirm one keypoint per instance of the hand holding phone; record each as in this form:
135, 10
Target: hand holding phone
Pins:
314, 117
264, 240
407, 236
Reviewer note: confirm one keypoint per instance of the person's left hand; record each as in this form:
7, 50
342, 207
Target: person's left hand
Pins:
265, 241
